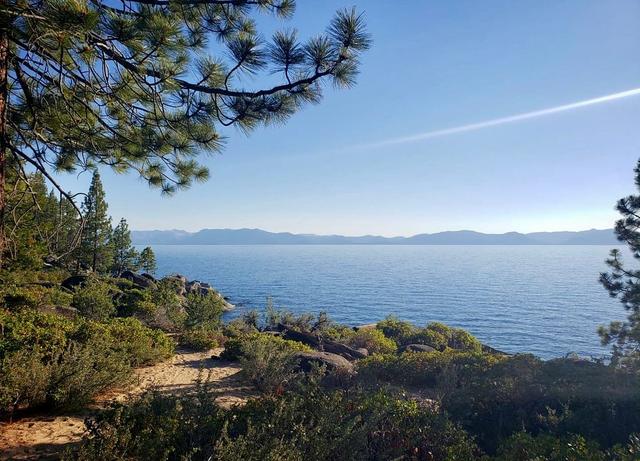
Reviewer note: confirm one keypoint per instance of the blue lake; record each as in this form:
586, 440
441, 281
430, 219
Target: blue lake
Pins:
540, 299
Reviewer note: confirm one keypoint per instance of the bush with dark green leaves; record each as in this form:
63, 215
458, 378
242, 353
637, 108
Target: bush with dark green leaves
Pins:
548, 447
373, 340
435, 334
563, 396
426, 369
267, 360
236, 347
309, 424
47, 359
94, 299
203, 309
203, 337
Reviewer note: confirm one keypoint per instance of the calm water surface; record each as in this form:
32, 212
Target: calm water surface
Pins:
540, 299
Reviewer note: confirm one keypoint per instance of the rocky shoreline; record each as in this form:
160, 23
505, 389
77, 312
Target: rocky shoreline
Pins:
183, 286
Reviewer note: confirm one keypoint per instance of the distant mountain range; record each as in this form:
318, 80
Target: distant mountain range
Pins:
463, 237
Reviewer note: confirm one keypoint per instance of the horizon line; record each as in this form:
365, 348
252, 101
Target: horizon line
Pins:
366, 235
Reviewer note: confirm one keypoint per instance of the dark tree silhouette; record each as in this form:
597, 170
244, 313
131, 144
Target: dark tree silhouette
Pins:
623, 283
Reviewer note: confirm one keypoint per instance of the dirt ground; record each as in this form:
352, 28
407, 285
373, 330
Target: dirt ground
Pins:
42, 437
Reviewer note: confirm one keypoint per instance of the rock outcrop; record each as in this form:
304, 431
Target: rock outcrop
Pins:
185, 286
70, 283
333, 362
138, 280
323, 345
418, 348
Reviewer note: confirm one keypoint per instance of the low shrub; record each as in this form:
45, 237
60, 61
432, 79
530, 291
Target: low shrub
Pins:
24, 377
33, 331
140, 344
456, 338
94, 300
202, 337
234, 348
158, 427
46, 359
429, 337
435, 334
267, 360
135, 302
313, 424
428, 369
203, 309
84, 369
547, 447
562, 396
374, 341
397, 330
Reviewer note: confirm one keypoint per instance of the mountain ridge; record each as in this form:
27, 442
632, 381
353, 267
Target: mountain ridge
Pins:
246, 236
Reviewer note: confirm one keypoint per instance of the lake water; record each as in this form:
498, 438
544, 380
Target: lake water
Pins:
540, 299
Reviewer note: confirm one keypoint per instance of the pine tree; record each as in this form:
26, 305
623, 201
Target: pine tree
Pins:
95, 250
68, 230
29, 222
145, 85
125, 256
147, 261
623, 283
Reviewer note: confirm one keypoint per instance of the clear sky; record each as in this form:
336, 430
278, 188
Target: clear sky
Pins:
435, 65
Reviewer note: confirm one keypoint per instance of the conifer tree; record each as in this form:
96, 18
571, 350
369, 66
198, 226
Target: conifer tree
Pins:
125, 256
95, 250
146, 85
68, 228
147, 261
623, 283
30, 221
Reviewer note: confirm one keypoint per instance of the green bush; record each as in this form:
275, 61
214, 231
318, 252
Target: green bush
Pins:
435, 334
84, 369
234, 347
429, 337
24, 377
202, 337
169, 314
203, 309
563, 396
156, 427
268, 362
140, 344
46, 359
311, 424
547, 447
31, 330
136, 302
428, 369
398, 330
94, 300
374, 341
456, 338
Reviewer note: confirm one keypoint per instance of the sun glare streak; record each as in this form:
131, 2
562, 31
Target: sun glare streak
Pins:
499, 121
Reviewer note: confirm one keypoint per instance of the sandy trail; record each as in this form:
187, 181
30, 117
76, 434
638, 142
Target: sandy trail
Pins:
42, 437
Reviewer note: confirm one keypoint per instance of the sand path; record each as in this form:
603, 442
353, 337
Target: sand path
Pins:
42, 437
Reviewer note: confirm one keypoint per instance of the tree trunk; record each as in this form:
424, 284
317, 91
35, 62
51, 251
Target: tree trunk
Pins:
4, 96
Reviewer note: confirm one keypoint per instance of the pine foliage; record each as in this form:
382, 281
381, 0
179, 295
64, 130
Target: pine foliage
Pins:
146, 85
95, 250
623, 283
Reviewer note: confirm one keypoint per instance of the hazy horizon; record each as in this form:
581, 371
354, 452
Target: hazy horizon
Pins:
369, 234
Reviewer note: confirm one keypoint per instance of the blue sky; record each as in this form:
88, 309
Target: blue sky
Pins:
434, 65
